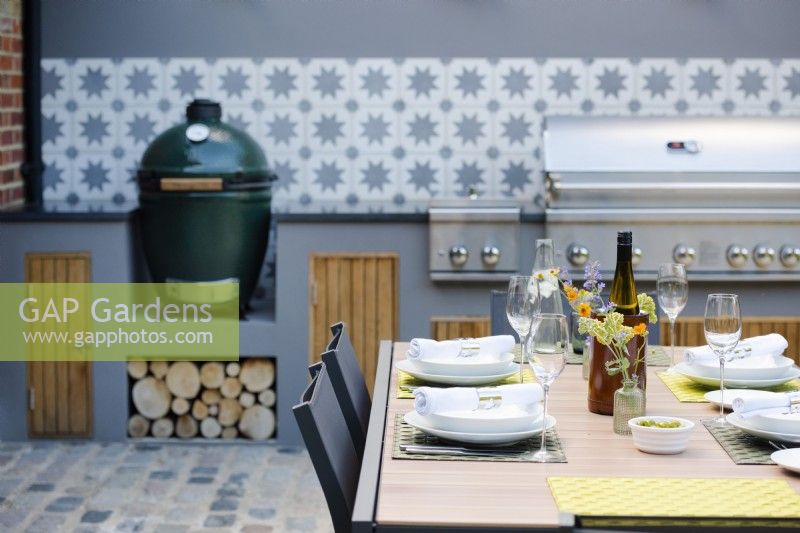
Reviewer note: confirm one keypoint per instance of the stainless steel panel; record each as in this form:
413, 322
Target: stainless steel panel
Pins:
474, 237
709, 240
639, 144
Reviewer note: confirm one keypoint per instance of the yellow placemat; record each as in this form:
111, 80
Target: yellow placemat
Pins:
407, 383
675, 498
686, 390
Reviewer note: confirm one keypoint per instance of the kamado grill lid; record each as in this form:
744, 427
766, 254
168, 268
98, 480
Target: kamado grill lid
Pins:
204, 154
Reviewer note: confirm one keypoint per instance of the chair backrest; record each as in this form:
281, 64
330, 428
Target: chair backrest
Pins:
349, 385
324, 430
499, 321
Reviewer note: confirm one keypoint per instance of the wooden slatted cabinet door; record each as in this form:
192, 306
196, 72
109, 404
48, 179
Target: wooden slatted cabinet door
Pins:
361, 290
459, 327
59, 391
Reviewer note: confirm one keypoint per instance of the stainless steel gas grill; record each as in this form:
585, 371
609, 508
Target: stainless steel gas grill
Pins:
720, 195
473, 240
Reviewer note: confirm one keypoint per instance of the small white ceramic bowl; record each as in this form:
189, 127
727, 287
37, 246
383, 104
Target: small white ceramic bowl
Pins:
661, 440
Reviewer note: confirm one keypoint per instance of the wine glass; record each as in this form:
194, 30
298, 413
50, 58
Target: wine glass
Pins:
521, 306
673, 292
723, 329
547, 354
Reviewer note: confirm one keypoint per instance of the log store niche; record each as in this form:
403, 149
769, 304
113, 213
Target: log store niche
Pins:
202, 400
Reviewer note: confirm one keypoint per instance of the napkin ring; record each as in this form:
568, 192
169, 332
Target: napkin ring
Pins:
488, 398
794, 404
469, 347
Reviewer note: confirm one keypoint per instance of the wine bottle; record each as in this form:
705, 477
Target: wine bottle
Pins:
623, 288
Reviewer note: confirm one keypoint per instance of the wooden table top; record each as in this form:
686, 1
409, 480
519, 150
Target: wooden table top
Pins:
496, 494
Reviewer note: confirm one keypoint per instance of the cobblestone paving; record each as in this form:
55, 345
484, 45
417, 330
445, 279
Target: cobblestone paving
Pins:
90, 487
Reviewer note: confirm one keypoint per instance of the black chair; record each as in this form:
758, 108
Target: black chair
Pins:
349, 385
498, 320
324, 430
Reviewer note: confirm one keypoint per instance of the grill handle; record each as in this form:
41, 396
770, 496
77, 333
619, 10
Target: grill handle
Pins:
555, 186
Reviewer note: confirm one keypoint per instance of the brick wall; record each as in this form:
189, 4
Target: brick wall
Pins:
12, 150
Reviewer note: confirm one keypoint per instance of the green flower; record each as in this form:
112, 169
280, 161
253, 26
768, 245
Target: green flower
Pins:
647, 305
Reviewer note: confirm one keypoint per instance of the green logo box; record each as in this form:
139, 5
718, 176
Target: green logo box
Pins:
119, 321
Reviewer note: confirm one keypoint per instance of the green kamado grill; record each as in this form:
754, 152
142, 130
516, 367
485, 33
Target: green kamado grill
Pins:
204, 196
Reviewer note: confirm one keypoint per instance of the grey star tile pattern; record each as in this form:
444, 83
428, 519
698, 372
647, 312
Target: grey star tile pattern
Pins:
392, 129
140, 82
281, 129
658, 82
705, 82
281, 82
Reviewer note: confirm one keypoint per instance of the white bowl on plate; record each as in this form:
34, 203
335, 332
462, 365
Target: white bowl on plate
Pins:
409, 368
665, 441
754, 367
421, 423
502, 419
777, 422
747, 426
690, 371
478, 365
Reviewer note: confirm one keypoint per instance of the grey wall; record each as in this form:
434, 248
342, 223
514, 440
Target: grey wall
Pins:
359, 28
111, 246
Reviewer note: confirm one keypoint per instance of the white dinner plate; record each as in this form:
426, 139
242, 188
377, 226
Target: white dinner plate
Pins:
502, 419
478, 365
780, 421
788, 459
418, 421
686, 370
754, 367
714, 395
748, 427
408, 367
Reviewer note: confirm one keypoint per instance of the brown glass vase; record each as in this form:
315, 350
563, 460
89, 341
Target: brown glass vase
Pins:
601, 385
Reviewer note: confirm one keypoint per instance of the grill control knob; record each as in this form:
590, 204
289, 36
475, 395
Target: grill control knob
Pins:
790, 255
577, 254
684, 254
737, 255
763, 255
490, 255
458, 255
637, 256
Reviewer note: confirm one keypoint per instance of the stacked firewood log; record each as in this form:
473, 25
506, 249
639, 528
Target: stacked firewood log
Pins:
205, 400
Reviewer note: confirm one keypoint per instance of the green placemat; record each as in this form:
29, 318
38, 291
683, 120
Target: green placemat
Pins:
405, 434
742, 448
686, 390
406, 383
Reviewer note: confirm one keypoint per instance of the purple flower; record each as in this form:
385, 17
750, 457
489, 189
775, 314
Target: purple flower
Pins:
563, 274
592, 276
607, 308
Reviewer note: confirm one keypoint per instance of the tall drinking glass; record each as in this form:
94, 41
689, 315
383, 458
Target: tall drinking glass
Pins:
723, 329
547, 354
521, 306
673, 292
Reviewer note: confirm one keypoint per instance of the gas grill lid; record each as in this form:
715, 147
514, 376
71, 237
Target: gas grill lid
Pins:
695, 162
688, 144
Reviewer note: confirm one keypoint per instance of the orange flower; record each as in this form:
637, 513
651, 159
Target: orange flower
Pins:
572, 293
585, 310
640, 329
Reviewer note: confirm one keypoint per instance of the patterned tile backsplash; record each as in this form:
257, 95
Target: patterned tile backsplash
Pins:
367, 131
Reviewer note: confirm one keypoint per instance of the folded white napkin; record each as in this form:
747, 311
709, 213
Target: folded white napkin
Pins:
428, 400
772, 344
762, 405
430, 349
